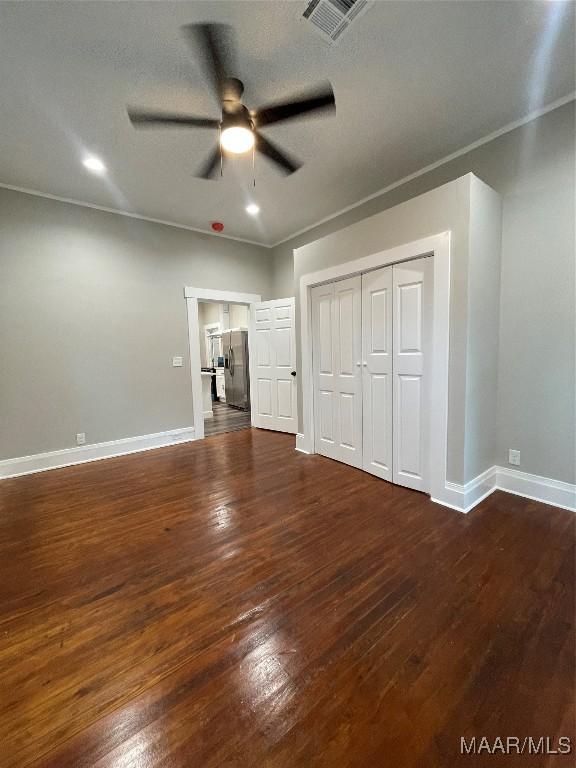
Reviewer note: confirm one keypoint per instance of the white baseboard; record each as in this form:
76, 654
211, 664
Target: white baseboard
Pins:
462, 498
465, 497
40, 462
302, 444
544, 489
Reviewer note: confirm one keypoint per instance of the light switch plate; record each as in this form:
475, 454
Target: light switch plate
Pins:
177, 362
514, 457
80, 438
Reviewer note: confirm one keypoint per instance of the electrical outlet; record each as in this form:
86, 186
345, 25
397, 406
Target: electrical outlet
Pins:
80, 438
177, 362
514, 457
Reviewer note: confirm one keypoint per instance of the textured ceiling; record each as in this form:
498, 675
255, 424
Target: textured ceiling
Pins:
414, 82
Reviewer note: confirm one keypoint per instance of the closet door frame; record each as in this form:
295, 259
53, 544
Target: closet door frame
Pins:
439, 247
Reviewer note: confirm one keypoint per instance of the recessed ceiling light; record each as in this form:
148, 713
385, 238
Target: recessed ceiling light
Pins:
253, 209
94, 164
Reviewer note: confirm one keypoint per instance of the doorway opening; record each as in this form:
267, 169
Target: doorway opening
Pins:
224, 366
194, 297
263, 359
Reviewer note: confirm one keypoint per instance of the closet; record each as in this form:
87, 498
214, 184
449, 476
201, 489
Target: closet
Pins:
371, 347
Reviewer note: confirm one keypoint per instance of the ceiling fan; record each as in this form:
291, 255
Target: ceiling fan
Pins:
239, 127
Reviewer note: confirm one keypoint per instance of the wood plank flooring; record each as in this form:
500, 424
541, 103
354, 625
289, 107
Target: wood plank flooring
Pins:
233, 602
226, 419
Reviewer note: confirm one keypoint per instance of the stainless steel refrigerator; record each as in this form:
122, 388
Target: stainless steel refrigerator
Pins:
236, 375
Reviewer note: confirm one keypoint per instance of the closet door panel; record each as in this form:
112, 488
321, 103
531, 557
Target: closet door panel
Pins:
412, 312
409, 405
378, 445
324, 377
348, 324
326, 409
377, 372
348, 427
346, 347
336, 319
324, 324
410, 297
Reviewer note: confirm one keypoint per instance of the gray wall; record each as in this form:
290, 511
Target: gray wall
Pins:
283, 279
536, 392
533, 169
483, 320
92, 310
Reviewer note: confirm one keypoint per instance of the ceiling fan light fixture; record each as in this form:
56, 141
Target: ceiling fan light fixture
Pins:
237, 139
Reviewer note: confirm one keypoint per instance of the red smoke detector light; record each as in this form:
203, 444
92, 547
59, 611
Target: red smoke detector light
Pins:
217, 226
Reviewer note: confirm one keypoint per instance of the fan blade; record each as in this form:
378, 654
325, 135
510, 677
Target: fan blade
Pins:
321, 100
213, 43
208, 170
266, 147
142, 118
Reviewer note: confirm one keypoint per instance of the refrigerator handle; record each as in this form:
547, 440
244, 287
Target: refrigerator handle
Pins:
231, 356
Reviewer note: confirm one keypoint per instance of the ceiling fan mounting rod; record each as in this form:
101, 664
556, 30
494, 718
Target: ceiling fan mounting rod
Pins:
237, 115
232, 89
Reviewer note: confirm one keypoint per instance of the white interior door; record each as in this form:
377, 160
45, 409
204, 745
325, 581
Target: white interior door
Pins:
412, 311
377, 372
273, 387
337, 346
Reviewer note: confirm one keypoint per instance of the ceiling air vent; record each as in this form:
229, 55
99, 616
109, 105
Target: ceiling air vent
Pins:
333, 17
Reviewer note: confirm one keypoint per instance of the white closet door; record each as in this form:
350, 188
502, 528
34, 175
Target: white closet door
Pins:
273, 390
377, 372
337, 342
412, 322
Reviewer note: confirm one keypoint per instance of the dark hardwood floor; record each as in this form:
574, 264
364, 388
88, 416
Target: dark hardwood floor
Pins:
233, 602
226, 419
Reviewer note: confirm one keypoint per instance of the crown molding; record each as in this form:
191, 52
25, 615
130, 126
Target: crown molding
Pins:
129, 214
458, 153
426, 169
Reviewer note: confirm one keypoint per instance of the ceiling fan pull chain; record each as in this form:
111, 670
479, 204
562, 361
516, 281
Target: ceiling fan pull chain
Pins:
254, 163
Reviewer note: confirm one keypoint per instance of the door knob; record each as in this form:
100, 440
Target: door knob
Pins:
358, 363
292, 373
